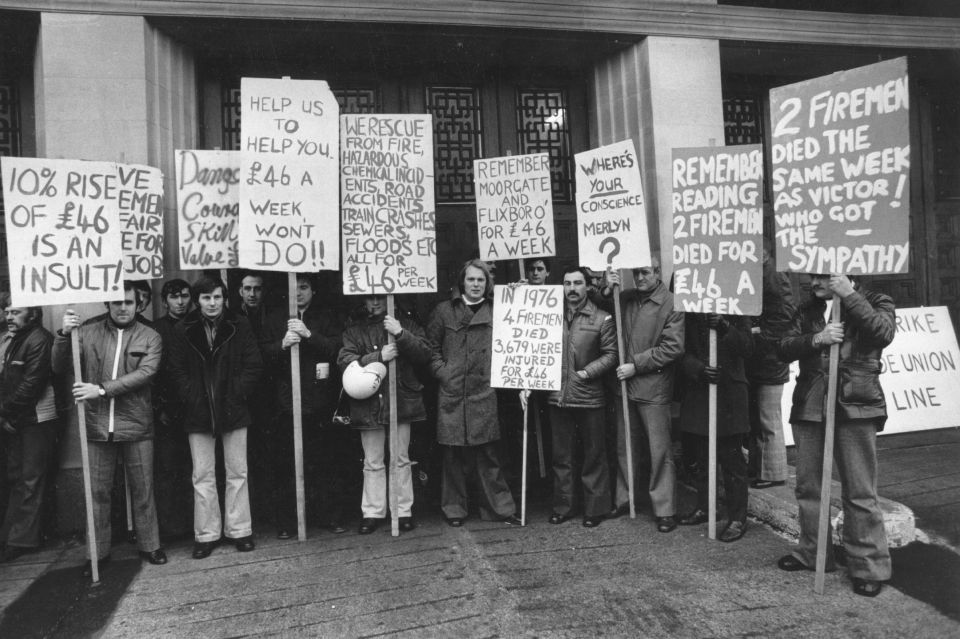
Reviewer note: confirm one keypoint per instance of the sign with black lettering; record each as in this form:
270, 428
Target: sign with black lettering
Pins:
527, 337
388, 217
841, 171
718, 229
611, 214
514, 207
289, 175
208, 203
140, 198
64, 236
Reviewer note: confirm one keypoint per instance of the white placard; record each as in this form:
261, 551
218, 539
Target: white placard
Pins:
527, 337
208, 202
387, 212
64, 236
140, 199
289, 175
514, 207
611, 214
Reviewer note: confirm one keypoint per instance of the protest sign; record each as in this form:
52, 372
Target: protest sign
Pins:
388, 218
527, 337
718, 229
64, 237
514, 207
841, 171
611, 214
140, 199
289, 176
208, 202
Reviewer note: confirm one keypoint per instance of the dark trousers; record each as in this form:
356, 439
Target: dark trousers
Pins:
481, 464
29, 453
733, 468
173, 486
590, 424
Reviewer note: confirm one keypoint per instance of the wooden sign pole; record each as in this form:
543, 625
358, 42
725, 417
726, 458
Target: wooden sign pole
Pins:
394, 433
523, 473
627, 439
538, 428
826, 479
712, 444
297, 412
128, 499
85, 459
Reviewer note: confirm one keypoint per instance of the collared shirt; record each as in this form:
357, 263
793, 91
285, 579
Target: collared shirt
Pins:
210, 327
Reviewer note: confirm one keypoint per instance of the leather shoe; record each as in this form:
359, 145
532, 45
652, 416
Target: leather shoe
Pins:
592, 522
733, 531
368, 525
557, 518
763, 483
693, 518
512, 520
619, 511
454, 522
791, 564
866, 587
336, 528
283, 533
202, 549
406, 524
666, 524
156, 557
88, 568
244, 544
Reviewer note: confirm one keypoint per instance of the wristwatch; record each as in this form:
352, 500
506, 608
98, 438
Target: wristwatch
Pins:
102, 391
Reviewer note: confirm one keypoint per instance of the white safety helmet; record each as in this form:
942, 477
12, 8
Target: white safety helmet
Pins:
361, 382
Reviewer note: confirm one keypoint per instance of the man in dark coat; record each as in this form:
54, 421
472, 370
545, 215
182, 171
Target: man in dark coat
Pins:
867, 326
734, 343
364, 342
215, 364
28, 427
317, 332
461, 333
589, 352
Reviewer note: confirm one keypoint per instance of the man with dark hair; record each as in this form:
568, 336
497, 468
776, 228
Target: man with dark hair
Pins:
653, 338
215, 364
867, 325
318, 333
119, 358
538, 271
251, 301
28, 427
461, 334
589, 352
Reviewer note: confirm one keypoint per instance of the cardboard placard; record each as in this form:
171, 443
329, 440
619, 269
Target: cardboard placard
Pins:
208, 203
841, 171
527, 337
514, 207
611, 214
388, 217
140, 199
289, 175
64, 237
718, 229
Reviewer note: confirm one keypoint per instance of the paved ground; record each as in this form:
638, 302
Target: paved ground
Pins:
483, 580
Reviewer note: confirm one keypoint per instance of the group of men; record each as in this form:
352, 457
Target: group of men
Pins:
152, 390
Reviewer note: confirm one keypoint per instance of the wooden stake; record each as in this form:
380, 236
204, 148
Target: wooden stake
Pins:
297, 412
712, 445
129, 501
627, 439
823, 536
536, 413
394, 434
523, 473
85, 458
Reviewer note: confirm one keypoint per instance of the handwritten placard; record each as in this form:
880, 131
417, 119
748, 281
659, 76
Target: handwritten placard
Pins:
514, 207
527, 337
388, 217
611, 214
718, 229
140, 199
841, 171
208, 203
289, 175
64, 238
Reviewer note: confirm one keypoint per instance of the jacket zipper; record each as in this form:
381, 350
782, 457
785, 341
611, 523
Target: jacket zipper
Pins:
116, 367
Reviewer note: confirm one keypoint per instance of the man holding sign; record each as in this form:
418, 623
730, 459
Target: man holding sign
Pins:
590, 351
867, 325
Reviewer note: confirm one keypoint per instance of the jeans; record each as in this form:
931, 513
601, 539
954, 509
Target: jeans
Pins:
663, 475
864, 537
206, 502
374, 501
768, 453
595, 475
